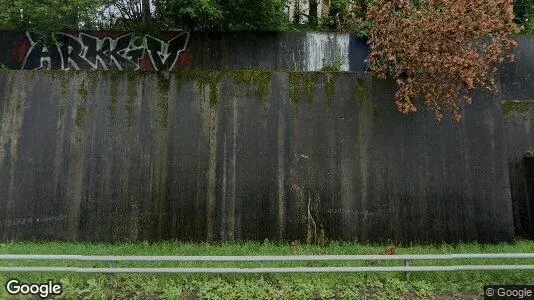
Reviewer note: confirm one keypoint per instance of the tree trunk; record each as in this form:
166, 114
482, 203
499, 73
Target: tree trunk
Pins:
326, 8
312, 17
363, 8
296, 12
145, 8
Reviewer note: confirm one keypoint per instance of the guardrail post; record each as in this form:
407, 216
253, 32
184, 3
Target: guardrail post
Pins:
112, 277
407, 263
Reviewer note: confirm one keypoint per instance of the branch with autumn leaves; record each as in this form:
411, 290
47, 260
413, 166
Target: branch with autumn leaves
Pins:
438, 51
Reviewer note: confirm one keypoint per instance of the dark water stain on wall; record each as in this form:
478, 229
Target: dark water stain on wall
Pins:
109, 156
519, 124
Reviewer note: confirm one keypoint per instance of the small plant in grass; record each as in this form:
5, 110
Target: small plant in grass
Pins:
334, 66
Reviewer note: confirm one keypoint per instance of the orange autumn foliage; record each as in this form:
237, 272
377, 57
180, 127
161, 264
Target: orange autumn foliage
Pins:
439, 50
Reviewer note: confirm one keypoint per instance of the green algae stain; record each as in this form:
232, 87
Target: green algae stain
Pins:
303, 83
330, 85
310, 85
81, 116
210, 79
517, 106
203, 79
131, 95
114, 90
78, 137
63, 92
262, 80
164, 84
82, 90
64, 86
361, 90
81, 111
294, 87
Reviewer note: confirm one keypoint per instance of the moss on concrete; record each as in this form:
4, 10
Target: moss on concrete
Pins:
262, 80
81, 111
361, 89
63, 86
303, 83
78, 137
330, 84
82, 90
131, 91
114, 89
164, 85
81, 116
517, 106
202, 79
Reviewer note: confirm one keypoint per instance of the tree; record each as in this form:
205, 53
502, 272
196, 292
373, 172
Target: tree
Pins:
313, 18
145, 8
50, 15
439, 50
189, 14
348, 16
524, 15
253, 15
222, 15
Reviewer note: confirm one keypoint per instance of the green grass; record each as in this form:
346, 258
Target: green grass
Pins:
272, 286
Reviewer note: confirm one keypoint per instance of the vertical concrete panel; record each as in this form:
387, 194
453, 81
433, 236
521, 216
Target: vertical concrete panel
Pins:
518, 116
10, 127
281, 185
188, 160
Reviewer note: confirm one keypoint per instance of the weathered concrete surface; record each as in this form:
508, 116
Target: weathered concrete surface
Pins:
203, 50
519, 124
315, 51
109, 156
517, 77
517, 81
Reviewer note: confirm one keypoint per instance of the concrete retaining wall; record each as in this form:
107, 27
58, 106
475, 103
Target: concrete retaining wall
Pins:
517, 81
113, 156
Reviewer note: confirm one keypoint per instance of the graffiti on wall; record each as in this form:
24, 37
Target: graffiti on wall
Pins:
88, 52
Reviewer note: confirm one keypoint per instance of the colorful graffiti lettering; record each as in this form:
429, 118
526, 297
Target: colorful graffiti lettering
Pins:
87, 52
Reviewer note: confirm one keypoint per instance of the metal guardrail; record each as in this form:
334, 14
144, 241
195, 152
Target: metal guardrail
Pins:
407, 259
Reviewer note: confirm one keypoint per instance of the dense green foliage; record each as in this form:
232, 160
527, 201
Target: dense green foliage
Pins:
204, 15
49, 15
524, 12
189, 14
389, 286
250, 15
217, 15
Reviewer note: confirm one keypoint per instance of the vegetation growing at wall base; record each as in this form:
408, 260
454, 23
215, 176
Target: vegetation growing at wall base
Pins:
273, 286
